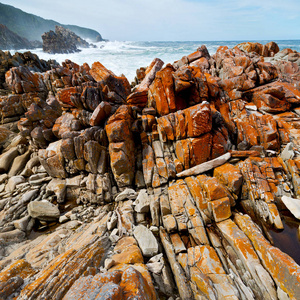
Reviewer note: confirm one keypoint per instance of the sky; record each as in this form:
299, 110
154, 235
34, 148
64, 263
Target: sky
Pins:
175, 20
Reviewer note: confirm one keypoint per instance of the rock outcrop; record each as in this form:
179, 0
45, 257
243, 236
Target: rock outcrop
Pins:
62, 41
166, 190
28, 59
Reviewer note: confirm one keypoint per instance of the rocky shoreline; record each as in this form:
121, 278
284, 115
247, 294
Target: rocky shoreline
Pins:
163, 189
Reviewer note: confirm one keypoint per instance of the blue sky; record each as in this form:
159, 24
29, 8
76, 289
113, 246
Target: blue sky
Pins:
175, 20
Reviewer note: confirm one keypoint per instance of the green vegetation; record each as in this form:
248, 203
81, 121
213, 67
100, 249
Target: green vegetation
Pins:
32, 27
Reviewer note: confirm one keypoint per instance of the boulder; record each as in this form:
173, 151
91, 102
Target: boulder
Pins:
43, 210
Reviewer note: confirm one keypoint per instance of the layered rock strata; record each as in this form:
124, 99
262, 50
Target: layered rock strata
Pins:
167, 190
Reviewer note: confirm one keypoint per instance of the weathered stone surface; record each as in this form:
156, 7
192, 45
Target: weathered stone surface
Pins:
206, 166
101, 112
43, 210
121, 147
140, 95
52, 160
19, 164
62, 41
135, 285
7, 158
96, 143
146, 240
283, 269
230, 176
142, 202
13, 182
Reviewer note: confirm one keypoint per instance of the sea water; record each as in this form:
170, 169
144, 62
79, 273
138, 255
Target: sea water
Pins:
126, 57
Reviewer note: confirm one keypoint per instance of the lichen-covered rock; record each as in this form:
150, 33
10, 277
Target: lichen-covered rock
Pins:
108, 179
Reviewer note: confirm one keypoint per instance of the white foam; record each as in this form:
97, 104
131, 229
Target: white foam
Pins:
125, 57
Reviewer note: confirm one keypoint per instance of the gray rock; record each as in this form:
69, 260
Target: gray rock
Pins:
7, 158
142, 202
30, 195
126, 194
282, 295
58, 187
139, 179
287, 152
146, 240
16, 235
293, 205
74, 182
156, 145
13, 182
3, 178
112, 223
43, 210
71, 224
114, 237
140, 218
19, 164
34, 161
108, 263
63, 219
22, 223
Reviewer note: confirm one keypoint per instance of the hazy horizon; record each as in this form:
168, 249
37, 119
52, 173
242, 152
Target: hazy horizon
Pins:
175, 20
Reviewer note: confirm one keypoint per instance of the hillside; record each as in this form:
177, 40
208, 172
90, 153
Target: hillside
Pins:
10, 40
32, 27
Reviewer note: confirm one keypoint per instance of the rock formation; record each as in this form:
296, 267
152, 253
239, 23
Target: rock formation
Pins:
162, 191
62, 41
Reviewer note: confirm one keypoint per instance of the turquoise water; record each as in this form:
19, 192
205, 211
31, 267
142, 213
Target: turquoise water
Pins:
125, 57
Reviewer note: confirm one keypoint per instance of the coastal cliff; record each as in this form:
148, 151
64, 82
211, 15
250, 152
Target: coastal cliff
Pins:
167, 189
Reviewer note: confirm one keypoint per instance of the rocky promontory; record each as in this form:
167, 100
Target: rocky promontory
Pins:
62, 41
168, 190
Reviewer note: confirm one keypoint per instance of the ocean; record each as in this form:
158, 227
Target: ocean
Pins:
126, 57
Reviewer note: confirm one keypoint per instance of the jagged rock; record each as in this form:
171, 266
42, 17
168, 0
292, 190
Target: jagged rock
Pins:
62, 41
140, 95
101, 112
235, 103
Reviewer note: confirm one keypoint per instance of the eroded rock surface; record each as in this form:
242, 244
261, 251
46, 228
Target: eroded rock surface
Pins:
165, 190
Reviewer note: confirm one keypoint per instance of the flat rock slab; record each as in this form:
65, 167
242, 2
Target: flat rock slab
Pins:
43, 210
206, 166
293, 205
146, 240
